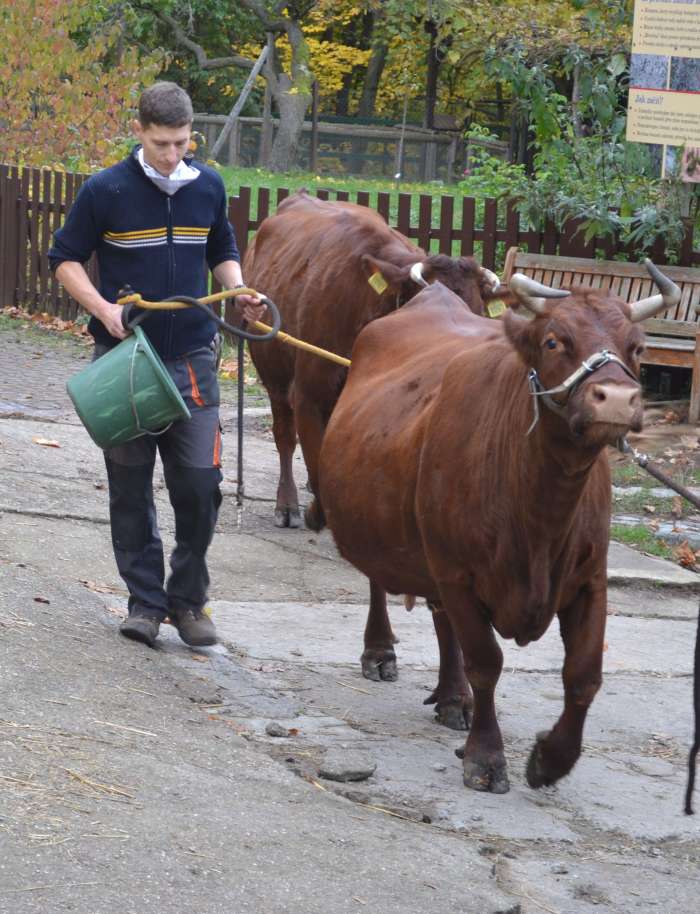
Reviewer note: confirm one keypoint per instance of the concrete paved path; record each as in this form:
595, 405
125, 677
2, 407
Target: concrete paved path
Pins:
145, 781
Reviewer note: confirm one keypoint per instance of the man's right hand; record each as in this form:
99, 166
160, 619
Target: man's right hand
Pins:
111, 317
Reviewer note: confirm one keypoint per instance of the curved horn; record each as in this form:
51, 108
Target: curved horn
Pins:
533, 294
670, 295
491, 279
417, 274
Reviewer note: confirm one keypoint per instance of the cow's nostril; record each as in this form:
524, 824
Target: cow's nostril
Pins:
599, 395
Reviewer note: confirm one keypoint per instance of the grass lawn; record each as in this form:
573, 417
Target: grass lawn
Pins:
255, 178
640, 537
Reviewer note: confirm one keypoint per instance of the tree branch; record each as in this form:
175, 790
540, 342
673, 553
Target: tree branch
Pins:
271, 24
206, 63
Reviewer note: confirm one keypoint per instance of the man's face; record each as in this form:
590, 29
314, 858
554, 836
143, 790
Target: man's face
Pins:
163, 147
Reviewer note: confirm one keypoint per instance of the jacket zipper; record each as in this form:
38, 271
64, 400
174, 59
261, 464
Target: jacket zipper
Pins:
171, 275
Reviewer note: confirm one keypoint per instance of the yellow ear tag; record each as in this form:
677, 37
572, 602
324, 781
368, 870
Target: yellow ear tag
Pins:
378, 283
496, 308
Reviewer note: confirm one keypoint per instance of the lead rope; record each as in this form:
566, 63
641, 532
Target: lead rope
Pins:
643, 461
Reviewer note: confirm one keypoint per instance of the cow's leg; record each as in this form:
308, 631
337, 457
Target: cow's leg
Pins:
283, 428
582, 628
484, 760
452, 696
311, 425
378, 658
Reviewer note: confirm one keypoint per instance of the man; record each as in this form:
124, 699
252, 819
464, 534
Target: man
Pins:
157, 221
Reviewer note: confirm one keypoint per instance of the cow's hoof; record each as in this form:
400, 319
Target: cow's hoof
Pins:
380, 666
314, 517
543, 769
452, 714
287, 517
491, 776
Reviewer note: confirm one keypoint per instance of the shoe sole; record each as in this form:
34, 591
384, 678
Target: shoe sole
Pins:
136, 635
199, 642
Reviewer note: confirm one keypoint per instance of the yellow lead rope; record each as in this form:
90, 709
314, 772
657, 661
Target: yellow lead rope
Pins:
135, 299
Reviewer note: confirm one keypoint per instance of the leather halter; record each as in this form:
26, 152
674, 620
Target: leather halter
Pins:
569, 385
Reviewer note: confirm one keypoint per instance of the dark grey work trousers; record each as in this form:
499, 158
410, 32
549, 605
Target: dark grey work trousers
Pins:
191, 454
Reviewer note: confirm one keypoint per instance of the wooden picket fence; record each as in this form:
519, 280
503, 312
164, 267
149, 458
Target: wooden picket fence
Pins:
33, 204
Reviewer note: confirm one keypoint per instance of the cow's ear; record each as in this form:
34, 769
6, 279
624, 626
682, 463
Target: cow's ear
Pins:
522, 334
382, 274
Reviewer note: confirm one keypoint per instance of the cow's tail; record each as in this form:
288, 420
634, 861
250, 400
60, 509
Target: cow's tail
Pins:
696, 742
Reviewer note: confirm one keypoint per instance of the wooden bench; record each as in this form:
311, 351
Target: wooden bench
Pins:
671, 339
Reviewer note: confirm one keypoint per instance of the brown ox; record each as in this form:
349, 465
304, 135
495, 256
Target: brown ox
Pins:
313, 259
437, 481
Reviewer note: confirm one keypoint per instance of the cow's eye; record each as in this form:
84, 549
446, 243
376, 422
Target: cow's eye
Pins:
551, 343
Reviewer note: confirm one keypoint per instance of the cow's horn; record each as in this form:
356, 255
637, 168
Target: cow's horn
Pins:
533, 294
670, 295
491, 278
417, 274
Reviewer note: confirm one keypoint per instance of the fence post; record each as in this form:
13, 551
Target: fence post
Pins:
686, 252
4, 229
446, 222
488, 249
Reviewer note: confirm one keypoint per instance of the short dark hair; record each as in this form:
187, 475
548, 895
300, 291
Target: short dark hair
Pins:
165, 104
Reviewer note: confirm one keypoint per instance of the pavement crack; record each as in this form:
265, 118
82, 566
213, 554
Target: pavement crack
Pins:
53, 515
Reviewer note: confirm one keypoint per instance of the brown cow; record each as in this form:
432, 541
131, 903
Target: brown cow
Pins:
313, 259
466, 462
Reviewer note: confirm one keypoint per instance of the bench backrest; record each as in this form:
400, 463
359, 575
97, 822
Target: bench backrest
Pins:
628, 280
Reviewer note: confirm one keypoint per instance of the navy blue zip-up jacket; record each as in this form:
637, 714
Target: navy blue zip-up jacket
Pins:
159, 245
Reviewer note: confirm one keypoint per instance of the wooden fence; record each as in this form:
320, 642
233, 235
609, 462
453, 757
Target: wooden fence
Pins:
33, 204
344, 149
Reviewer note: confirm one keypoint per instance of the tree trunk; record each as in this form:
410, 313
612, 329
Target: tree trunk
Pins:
375, 68
292, 95
285, 149
342, 99
431, 77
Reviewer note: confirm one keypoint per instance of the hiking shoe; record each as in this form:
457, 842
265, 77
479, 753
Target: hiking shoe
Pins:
195, 628
139, 627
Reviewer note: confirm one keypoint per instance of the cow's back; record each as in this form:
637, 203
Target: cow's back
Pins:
372, 447
307, 258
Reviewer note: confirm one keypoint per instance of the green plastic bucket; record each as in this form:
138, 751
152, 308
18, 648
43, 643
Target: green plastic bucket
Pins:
126, 393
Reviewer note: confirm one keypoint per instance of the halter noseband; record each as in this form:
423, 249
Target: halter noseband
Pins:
569, 385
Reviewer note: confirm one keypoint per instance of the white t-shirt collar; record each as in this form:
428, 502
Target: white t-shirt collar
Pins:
183, 174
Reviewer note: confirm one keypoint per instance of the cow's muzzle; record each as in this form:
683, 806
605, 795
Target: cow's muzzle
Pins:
607, 410
604, 402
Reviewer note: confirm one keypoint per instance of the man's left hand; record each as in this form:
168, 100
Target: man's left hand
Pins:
251, 307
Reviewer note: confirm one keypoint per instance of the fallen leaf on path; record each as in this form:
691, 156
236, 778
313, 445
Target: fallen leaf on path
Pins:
46, 442
201, 658
102, 588
650, 509
677, 507
684, 555
116, 611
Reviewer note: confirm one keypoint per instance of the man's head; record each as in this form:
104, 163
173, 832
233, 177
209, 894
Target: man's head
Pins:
164, 125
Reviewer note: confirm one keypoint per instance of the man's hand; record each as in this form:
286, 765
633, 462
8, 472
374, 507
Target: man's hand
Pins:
111, 317
251, 307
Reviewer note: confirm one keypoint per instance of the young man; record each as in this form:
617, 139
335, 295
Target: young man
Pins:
158, 222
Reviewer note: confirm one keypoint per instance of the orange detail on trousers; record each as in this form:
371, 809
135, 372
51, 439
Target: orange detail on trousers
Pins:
217, 448
196, 395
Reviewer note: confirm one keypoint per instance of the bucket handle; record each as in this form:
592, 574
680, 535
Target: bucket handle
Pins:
142, 431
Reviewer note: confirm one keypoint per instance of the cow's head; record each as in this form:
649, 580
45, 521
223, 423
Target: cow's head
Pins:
583, 350
474, 284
